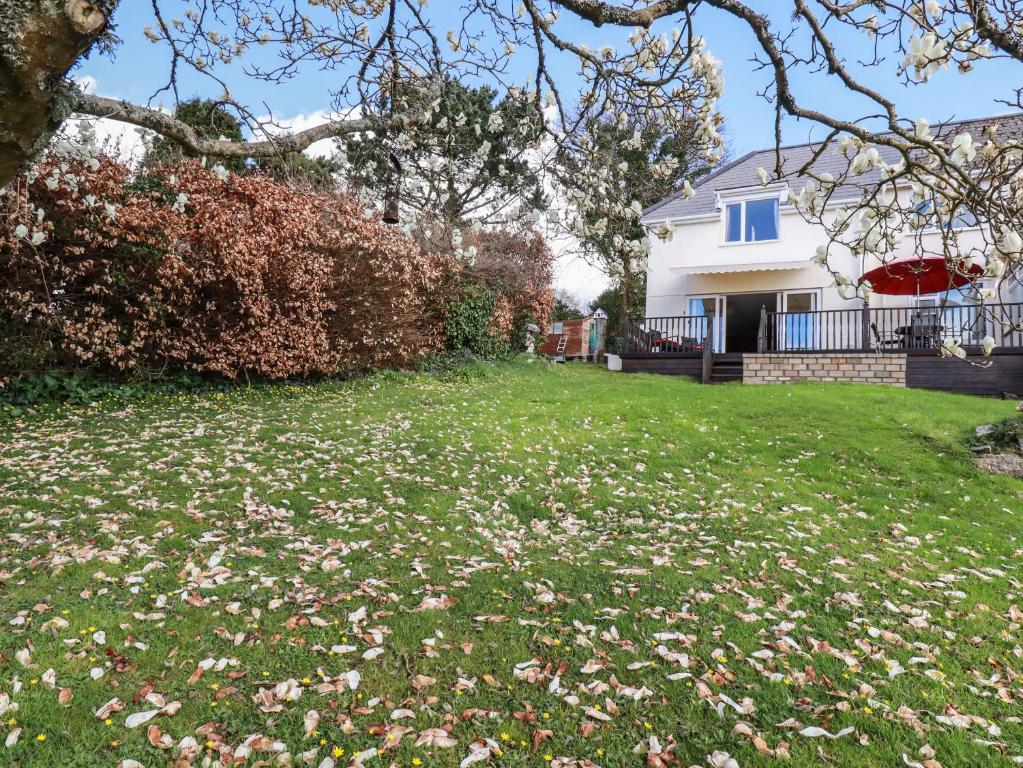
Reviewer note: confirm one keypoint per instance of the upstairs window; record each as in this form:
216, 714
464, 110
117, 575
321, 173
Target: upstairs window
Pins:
927, 220
751, 221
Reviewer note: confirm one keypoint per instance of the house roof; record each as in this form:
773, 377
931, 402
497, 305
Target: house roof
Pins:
742, 173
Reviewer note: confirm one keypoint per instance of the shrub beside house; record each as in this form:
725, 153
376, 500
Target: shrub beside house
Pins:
192, 269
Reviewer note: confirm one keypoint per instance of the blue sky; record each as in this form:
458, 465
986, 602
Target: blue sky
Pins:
138, 68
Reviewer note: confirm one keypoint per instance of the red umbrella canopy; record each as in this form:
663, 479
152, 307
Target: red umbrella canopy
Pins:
913, 277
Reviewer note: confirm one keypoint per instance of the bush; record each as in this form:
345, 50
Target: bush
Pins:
501, 293
470, 321
1007, 434
191, 269
518, 266
457, 365
18, 395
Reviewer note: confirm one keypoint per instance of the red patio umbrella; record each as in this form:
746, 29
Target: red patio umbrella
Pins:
928, 274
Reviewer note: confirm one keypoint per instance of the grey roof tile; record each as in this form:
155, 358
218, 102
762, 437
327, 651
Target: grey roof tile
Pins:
743, 172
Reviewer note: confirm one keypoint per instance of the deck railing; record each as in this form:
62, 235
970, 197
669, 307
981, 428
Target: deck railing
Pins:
683, 334
891, 329
880, 329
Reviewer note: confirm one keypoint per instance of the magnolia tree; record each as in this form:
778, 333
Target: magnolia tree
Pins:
609, 171
656, 66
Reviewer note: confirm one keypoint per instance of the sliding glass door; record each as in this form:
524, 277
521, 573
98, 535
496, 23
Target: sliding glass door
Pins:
704, 311
800, 330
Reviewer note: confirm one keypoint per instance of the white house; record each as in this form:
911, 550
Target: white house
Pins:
739, 246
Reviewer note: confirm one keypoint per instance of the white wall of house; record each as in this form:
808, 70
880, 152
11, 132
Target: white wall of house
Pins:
675, 267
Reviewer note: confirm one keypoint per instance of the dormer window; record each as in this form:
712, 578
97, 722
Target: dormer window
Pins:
751, 221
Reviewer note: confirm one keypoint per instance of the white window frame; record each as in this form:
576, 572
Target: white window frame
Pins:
783, 306
718, 319
724, 203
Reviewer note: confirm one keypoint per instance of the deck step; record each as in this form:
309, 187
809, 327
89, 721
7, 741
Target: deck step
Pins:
725, 371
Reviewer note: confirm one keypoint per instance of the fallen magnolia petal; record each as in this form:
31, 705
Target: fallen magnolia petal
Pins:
311, 720
477, 754
435, 737
419, 682
158, 739
719, 759
813, 732
137, 719
12, 737
112, 706
441, 603
360, 757
353, 678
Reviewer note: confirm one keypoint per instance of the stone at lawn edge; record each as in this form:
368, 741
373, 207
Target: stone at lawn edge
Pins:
1010, 464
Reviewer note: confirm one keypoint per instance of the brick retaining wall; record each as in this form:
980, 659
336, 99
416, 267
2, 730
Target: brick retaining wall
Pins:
860, 368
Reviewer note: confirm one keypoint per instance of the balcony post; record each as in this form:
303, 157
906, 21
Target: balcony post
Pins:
865, 326
762, 331
708, 355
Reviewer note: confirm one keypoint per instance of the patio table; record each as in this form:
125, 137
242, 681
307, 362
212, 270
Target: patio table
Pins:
920, 336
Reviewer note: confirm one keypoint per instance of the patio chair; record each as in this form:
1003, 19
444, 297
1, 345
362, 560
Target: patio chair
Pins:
924, 330
884, 341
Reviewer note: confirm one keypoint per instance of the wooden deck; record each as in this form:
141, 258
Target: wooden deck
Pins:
682, 346
997, 375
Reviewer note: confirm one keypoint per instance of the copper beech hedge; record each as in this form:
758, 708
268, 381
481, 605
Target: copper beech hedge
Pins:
188, 269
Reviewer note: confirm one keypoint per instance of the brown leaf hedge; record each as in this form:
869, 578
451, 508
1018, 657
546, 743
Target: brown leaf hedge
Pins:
192, 269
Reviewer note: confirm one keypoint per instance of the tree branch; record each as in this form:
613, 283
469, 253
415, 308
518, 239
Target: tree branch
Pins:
181, 133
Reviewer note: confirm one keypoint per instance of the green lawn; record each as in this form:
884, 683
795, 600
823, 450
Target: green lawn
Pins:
547, 566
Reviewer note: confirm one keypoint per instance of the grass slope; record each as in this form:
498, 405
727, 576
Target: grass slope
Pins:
548, 566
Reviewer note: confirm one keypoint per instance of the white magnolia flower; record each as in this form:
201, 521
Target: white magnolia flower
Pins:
927, 53
1010, 243
922, 129
964, 149
865, 160
987, 345
762, 175
952, 348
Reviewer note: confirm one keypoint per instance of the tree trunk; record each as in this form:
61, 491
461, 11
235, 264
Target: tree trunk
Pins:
40, 40
625, 297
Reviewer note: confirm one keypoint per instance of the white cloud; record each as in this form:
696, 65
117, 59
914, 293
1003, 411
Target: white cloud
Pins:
572, 273
301, 122
87, 83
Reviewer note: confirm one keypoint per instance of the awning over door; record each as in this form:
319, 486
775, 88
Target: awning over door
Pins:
760, 266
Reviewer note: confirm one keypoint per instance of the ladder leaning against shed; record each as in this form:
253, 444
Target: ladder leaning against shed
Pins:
559, 353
